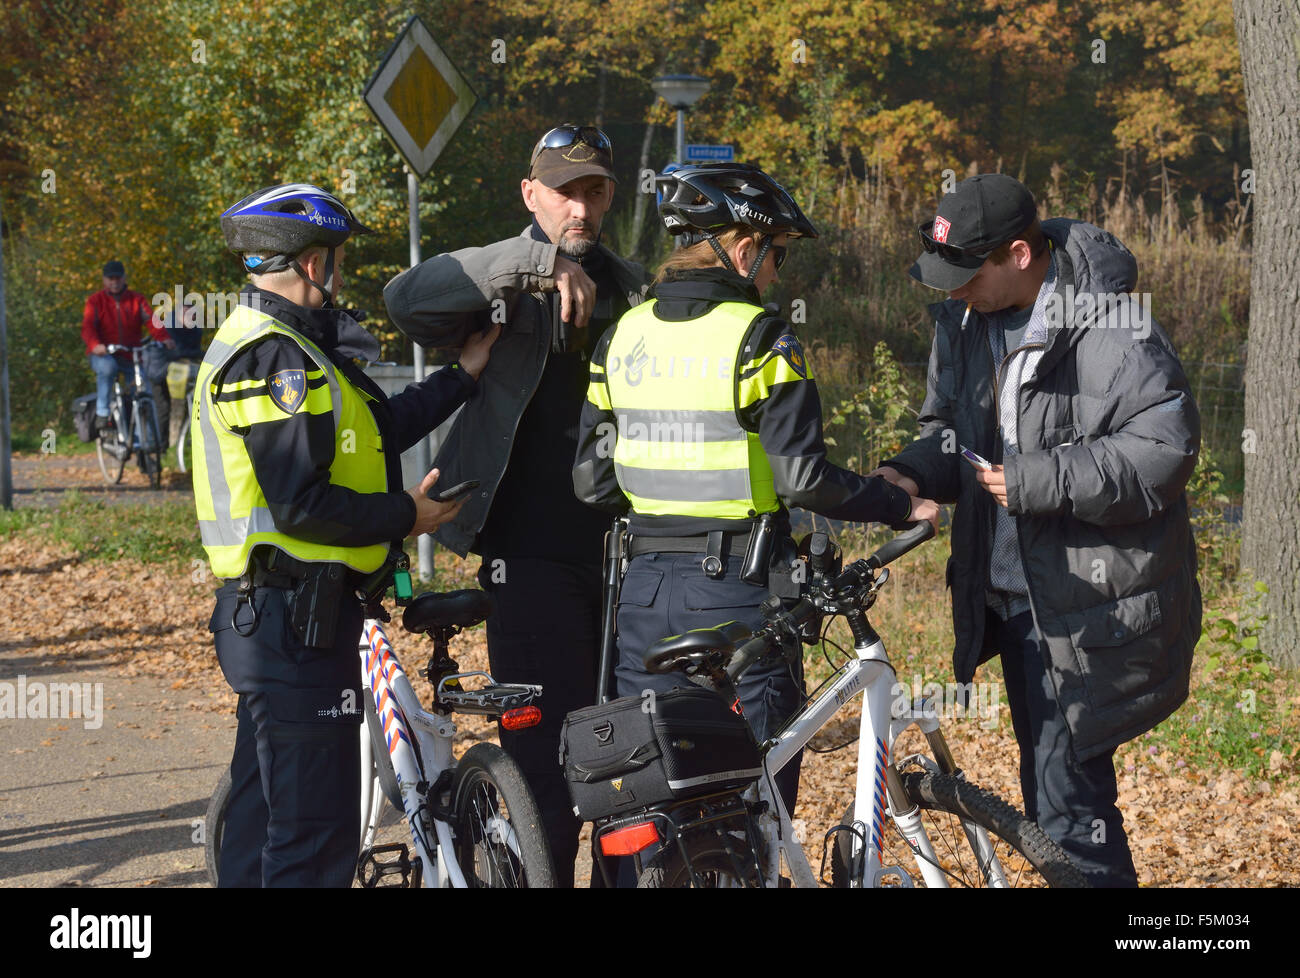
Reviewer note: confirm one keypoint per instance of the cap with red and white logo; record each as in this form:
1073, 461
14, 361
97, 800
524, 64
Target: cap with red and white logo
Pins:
981, 213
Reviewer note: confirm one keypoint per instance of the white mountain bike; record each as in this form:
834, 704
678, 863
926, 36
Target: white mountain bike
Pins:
473, 823
914, 820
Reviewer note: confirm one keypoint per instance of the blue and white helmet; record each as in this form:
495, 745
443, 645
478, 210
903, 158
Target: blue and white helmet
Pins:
282, 221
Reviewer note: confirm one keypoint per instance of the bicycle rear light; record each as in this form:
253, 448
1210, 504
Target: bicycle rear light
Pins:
626, 841
521, 718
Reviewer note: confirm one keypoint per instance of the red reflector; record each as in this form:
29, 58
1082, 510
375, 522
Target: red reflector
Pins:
634, 838
525, 716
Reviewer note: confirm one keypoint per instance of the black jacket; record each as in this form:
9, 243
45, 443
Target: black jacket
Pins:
1108, 434
788, 422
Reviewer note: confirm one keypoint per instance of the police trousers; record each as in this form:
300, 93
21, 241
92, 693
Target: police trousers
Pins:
667, 594
294, 813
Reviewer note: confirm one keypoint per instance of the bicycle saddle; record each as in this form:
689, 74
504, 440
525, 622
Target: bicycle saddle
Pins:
450, 609
663, 656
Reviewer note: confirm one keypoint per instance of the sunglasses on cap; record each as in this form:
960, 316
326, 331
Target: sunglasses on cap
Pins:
567, 135
952, 252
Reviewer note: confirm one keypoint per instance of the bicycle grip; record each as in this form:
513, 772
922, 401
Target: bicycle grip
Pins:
919, 532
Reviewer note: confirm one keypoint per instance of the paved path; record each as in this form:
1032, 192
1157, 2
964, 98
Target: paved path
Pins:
116, 805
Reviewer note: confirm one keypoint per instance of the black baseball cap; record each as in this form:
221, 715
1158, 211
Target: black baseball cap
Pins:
113, 268
982, 213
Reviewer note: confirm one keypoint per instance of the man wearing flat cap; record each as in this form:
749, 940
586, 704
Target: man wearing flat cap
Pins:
556, 289
1058, 418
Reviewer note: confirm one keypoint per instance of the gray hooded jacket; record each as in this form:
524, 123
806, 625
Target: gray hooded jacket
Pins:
1108, 434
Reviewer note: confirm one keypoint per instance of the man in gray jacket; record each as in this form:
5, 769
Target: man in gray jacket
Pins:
556, 289
1072, 553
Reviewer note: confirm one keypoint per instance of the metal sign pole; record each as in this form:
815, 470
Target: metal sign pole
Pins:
424, 543
6, 475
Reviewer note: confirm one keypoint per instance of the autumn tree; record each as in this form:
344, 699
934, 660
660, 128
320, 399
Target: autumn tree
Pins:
1268, 31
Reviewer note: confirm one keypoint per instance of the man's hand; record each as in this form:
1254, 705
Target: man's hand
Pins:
577, 292
99, 350
169, 343
428, 514
478, 346
995, 481
925, 509
897, 478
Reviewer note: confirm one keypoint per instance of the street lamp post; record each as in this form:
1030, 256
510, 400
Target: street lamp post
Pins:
681, 92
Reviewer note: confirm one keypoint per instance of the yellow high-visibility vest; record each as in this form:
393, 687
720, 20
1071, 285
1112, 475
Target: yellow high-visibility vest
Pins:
233, 513
672, 386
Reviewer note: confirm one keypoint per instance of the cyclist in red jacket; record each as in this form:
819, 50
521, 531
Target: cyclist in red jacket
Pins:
114, 315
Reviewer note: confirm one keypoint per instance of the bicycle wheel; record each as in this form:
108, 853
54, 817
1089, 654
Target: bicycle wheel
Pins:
500, 841
213, 823
151, 445
108, 448
1028, 858
718, 865
183, 446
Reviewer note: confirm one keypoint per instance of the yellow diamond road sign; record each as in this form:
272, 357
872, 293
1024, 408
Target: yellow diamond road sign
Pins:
418, 96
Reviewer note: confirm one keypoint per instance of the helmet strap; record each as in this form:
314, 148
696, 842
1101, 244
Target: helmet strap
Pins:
324, 290
759, 258
721, 252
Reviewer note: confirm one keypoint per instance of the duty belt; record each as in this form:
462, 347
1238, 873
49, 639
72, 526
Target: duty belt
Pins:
755, 547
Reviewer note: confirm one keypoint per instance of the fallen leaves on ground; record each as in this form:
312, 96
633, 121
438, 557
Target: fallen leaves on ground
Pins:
1185, 827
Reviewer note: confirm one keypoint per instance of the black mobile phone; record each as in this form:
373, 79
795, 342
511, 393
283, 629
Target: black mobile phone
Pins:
455, 492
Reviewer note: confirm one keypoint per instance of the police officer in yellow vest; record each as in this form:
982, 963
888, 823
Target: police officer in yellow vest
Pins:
297, 483
703, 419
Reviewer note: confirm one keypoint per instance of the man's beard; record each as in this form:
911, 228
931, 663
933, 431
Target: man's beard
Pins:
576, 247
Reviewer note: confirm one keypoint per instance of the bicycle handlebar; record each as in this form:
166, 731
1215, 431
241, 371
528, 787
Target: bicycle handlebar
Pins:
856, 575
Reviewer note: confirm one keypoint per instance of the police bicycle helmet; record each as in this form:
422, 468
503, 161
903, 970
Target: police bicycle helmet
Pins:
271, 228
698, 201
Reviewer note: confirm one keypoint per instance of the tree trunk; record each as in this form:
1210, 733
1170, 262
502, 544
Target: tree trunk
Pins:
643, 201
1268, 32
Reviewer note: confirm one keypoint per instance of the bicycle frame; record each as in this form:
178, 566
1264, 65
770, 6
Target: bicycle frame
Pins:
401, 718
871, 675
135, 438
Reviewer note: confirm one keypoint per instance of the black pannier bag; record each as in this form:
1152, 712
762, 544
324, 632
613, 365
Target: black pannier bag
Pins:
83, 417
635, 752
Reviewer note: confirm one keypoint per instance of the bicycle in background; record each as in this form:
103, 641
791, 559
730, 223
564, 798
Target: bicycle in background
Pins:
134, 430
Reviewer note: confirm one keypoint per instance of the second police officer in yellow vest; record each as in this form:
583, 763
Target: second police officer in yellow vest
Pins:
702, 416
297, 483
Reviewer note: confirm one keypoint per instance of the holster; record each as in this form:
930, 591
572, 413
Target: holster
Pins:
315, 603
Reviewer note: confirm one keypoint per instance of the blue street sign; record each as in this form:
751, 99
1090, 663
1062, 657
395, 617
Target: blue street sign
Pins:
703, 153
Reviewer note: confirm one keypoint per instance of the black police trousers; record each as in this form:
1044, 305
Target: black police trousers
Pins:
668, 594
294, 813
546, 630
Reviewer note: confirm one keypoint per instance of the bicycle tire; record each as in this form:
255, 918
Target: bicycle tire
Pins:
213, 824
112, 464
183, 446
486, 781
150, 442
1027, 855
667, 869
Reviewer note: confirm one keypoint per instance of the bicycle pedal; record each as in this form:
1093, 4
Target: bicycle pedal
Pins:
374, 873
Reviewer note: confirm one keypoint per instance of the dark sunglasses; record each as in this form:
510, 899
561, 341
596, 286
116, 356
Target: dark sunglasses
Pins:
951, 252
567, 135
778, 254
